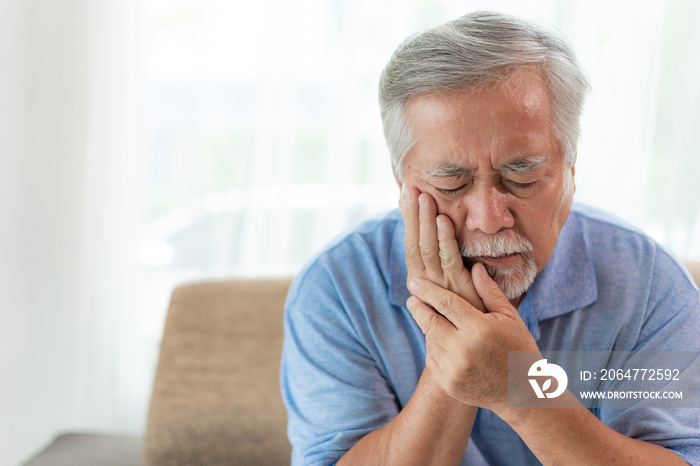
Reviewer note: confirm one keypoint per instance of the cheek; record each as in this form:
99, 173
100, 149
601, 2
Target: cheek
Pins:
456, 212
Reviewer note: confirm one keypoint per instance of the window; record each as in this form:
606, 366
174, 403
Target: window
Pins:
264, 138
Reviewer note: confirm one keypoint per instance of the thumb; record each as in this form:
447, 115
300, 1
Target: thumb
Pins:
491, 294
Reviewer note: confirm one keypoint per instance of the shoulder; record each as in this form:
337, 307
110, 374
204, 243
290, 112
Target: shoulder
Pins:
625, 290
616, 244
600, 228
634, 271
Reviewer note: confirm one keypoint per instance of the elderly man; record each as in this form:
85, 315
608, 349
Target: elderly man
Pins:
398, 335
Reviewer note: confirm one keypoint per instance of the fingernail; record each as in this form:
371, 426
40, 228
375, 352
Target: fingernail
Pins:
409, 303
408, 195
414, 285
440, 223
422, 201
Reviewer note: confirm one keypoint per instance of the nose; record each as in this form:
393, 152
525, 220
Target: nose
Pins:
488, 210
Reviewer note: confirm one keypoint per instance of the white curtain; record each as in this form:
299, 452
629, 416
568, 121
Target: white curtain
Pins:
640, 152
150, 142
113, 208
265, 138
71, 210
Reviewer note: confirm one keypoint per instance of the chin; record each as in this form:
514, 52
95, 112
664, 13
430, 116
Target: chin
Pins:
514, 281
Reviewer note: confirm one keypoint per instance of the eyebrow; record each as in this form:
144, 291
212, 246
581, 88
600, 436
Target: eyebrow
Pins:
524, 164
519, 165
448, 170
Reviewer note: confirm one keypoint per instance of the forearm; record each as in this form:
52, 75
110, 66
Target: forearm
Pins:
575, 436
433, 428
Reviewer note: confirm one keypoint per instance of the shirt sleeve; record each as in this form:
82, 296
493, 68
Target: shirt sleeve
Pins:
334, 390
672, 323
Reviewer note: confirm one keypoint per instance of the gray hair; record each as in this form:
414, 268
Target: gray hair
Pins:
474, 50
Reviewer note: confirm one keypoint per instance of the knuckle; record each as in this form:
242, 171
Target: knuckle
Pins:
427, 252
483, 337
431, 324
465, 366
447, 259
411, 249
446, 301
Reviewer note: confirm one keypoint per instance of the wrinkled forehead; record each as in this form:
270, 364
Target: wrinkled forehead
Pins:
524, 89
511, 124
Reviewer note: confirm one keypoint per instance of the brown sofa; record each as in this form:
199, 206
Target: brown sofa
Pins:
216, 397
216, 393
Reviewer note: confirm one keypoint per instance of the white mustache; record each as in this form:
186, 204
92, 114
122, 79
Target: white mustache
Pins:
496, 246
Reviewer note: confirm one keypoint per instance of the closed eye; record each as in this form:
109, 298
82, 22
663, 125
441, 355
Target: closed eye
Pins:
515, 184
451, 191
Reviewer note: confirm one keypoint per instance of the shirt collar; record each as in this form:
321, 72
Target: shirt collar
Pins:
567, 283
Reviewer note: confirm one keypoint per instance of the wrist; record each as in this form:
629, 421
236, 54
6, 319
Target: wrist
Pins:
516, 417
546, 413
441, 398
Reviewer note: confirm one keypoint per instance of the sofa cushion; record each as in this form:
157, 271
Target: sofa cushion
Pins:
216, 397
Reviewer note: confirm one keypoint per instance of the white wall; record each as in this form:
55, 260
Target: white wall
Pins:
42, 356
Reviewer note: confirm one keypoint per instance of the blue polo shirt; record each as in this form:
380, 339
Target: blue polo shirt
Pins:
353, 354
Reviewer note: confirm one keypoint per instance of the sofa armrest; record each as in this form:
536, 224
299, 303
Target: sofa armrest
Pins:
216, 397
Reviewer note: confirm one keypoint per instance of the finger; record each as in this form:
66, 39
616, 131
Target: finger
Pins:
428, 241
409, 210
458, 311
456, 274
450, 257
491, 294
433, 325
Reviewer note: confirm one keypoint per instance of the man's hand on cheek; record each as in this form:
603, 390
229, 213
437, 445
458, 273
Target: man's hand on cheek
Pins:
468, 349
432, 251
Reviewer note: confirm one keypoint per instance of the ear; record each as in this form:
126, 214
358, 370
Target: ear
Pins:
573, 175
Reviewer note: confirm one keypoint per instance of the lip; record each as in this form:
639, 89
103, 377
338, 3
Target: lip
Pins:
509, 260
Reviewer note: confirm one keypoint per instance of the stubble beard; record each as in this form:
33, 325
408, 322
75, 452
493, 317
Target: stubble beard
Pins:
513, 281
